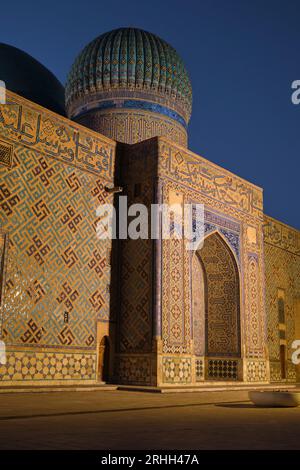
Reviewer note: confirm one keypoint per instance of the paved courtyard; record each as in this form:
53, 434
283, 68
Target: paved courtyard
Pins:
136, 420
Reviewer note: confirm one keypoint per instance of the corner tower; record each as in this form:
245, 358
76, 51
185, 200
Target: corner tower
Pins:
130, 85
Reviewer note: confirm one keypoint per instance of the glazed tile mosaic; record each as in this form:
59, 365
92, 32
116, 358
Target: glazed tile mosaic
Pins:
140, 311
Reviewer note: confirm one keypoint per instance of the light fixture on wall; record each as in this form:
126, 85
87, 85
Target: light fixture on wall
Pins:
113, 189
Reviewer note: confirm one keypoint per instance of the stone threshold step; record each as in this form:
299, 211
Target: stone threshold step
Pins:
102, 387
224, 387
57, 388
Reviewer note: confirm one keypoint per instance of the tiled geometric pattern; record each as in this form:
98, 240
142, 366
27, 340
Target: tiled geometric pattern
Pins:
275, 371
199, 366
175, 280
23, 366
232, 205
131, 104
222, 369
255, 333
33, 334
281, 235
135, 306
6, 153
176, 370
56, 276
55, 137
132, 60
222, 296
3, 250
291, 372
282, 265
229, 231
133, 369
20, 293
256, 371
198, 305
190, 169
57, 248
131, 127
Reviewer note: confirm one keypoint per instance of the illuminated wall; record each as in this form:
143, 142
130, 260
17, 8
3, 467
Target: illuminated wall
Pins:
282, 265
131, 126
55, 273
62, 289
233, 209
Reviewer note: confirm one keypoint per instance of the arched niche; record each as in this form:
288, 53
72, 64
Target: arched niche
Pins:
216, 299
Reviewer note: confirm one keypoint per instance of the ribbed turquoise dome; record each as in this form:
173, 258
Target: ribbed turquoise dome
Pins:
130, 63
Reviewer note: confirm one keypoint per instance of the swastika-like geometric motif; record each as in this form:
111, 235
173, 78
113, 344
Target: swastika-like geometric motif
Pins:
6, 153
55, 272
66, 336
67, 296
49, 211
8, 200
33, 334
38, 250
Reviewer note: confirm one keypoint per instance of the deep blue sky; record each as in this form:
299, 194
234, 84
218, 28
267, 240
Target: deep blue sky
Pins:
242, 56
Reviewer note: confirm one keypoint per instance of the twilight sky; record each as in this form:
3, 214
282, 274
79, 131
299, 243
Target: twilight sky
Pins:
242, 56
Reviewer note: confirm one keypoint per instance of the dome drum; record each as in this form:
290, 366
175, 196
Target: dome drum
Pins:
134, 75
118, 98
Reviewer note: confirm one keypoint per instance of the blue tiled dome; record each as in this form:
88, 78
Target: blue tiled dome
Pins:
133, 64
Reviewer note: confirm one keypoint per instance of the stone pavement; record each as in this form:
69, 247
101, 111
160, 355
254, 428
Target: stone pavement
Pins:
136, 420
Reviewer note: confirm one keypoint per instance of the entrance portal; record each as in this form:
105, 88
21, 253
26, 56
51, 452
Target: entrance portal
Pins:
103, 360
216, 308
